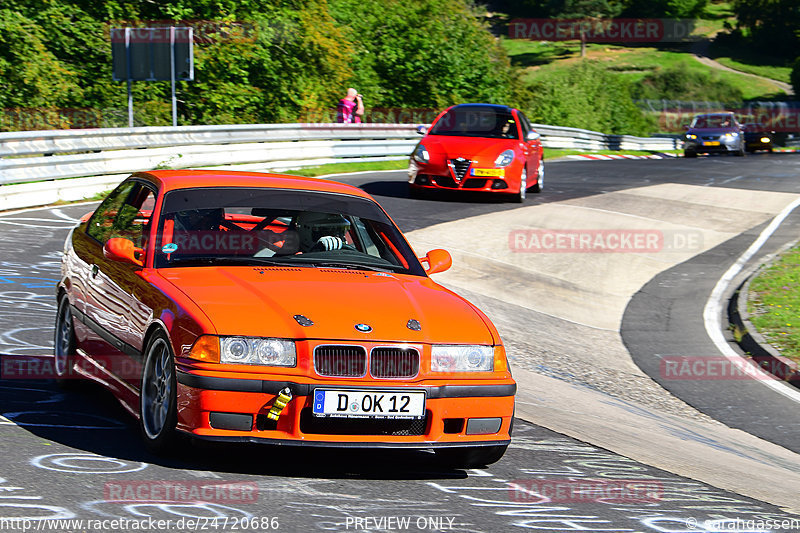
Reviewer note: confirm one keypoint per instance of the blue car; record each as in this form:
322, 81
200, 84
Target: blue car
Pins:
714, 133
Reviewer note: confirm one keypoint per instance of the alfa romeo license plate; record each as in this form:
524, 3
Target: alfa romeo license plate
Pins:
486, 172
711, 143
369, 404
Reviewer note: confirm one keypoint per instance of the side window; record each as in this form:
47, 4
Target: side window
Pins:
124, 213
526, 126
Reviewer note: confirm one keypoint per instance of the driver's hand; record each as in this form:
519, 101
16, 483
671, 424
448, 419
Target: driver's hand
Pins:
329, 243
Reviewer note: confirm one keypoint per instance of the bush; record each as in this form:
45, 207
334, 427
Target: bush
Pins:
586, 95
682, 83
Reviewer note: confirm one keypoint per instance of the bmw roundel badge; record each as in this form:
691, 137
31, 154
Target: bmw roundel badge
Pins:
364, 328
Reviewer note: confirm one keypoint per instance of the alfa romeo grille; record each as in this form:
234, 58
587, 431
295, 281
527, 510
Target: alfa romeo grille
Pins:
394, 363
340, 361
460, 167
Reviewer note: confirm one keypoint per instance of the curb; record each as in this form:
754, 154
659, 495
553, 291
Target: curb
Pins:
752, 342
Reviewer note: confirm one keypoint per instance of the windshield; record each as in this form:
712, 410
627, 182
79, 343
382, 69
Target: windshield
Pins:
712, 121
252, 226
477, 121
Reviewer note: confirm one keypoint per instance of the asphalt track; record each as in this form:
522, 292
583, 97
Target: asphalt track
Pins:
64, 453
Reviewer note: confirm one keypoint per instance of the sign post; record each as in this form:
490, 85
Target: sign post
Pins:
153, 54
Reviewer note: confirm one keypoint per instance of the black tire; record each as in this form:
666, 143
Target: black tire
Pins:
523, 187
474, 457
64, 345
158, 413
539, 187
689, 153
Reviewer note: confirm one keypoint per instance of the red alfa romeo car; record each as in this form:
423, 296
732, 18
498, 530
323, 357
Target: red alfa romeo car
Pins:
259, 307
478, 147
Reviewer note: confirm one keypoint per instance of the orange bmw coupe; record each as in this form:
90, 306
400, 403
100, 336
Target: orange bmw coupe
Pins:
249, 307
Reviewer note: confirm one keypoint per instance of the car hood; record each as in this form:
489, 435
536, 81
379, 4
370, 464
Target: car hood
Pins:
476, 148
711, 131
263, 301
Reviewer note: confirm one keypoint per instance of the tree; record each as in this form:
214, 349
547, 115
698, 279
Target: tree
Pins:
773, 25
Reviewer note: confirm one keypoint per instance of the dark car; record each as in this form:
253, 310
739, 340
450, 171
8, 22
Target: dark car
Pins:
758, 137
714, 133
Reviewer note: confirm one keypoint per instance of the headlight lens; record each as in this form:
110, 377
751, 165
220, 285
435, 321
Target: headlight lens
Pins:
505, 158
731, 136
421, 154
691, 136
462, 358
258, 351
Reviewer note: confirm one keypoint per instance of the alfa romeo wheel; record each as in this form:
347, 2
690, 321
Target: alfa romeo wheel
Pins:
158, 397
523, 186
63, 342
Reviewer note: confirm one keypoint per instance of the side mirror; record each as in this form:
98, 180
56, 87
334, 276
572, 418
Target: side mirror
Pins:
422, 130
533, 136
686, 126
123, 250
438, 261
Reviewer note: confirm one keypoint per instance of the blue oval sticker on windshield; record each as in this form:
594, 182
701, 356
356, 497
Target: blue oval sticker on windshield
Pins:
169, 248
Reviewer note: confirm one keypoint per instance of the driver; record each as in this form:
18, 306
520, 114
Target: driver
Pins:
321, 231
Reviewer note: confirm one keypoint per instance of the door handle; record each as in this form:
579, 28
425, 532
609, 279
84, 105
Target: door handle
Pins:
95, 270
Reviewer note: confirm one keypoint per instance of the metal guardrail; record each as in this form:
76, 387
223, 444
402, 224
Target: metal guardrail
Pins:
46, 155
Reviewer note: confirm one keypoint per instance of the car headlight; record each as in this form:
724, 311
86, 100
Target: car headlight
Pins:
258, 351
731, 136
691, 136
462, 358
504, 159
421, 154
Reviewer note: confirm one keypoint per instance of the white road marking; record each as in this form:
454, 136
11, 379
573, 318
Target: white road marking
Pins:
713, 310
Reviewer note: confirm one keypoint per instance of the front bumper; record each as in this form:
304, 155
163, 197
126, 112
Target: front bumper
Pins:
473, 413
430, 176
722, 146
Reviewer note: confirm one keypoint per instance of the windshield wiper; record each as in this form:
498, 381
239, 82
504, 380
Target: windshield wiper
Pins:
210, 260
356, 266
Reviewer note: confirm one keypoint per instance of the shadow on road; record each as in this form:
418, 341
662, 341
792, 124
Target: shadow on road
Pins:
89, 419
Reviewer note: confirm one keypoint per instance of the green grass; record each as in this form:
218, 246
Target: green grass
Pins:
336, 168
539, 59
554, 153
774, 304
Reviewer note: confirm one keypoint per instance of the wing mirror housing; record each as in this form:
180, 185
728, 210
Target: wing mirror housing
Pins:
533, 135
122, 250
422, 130
438, 261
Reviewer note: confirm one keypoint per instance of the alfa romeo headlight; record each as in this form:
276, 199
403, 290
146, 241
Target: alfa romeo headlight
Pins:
421, 154
462, 358
504, 159
258, 351
691, 136
731, 136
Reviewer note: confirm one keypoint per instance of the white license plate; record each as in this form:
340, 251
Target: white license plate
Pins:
369, 404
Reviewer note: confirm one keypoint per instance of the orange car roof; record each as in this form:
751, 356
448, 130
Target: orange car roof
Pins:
184, 179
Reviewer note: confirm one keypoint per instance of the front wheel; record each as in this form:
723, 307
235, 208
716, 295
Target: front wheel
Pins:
523, 186
689, 153
158, 396
474, 457
63, 343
